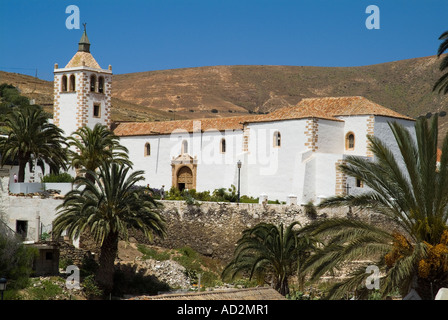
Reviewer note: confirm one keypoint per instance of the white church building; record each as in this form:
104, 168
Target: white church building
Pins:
291, 154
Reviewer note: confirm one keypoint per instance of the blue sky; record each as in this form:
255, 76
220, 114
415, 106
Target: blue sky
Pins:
137, 35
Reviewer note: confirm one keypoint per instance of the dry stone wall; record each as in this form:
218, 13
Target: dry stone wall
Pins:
213, 229
210, 228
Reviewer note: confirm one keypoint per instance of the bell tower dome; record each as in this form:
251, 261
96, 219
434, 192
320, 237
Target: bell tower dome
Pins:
82, 91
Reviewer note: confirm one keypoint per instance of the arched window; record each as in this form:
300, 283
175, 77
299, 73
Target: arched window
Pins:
223, 145
92, 83
72, 83
147, 149
64, 83
184, 147
350, 141
277, 139
101, 84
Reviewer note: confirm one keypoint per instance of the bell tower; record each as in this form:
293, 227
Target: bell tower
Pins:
82, 91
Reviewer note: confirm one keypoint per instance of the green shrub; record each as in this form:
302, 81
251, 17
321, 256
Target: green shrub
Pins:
149, 253
88, 267
297, 295
47, 290
209, 279
218, 195
189, 260
91, 288
246, 199
64, 263
59, 177
45, 236
16, 259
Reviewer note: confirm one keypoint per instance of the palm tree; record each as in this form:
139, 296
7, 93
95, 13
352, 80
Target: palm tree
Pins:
90, 147
442, 83
267, 250
108, 206
31, 137
409, 191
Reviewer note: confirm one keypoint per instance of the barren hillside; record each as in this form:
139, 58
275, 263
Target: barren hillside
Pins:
404, 86
42, 93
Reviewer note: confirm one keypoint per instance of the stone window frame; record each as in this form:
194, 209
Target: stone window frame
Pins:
64, 83
99, 110
348, 145
101, 83
72, 83
277, 142
93, 83
147, 149
359, 183
223, 145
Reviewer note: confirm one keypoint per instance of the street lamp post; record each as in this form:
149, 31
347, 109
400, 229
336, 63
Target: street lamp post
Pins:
3, 282
239, 175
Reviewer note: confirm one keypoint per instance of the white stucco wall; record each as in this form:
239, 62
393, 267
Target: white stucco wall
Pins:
68, 110
217, 169
330, 134
357, 125
382, 130
214, 169
275, 171
325, 175
156, 167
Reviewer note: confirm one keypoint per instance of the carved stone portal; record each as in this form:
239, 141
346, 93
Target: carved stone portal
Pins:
184, 170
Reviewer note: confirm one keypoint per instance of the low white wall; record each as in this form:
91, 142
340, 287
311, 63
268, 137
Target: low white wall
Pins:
25, 187
33, 187
63, 187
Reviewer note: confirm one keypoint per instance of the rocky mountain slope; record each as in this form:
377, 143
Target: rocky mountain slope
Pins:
219, 91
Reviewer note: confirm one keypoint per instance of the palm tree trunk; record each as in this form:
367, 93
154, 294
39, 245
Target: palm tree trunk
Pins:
21, 174
90, 177
105, 273
282, 285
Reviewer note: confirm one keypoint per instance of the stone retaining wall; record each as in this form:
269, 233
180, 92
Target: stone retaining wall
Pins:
210, 228
213, 229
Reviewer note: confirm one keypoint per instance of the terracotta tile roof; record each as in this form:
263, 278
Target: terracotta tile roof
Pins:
168, 127
261, 293
324, 108
340, 106
80, 57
